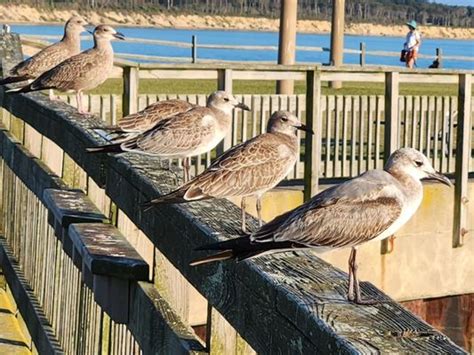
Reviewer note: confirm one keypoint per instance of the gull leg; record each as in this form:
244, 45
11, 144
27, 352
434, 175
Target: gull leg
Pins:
259, 211
350, 292
80, 108
53, 97
186, 169
356, 294
243, 205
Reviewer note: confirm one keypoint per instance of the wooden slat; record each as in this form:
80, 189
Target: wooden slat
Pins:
313, 144
463, 152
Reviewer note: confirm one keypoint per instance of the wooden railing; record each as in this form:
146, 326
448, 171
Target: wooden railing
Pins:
194, 47
403, 122
270, 302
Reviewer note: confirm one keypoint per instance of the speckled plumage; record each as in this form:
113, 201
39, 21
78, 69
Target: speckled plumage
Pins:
183, 135
250, 168
152, 114
83, 71
52, 55
369, 207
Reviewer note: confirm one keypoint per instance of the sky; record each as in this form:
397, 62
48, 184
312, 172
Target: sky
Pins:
456, 2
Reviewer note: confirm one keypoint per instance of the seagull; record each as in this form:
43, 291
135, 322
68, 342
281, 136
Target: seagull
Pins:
147, 118
370, 207
184, 135
50, 56
81, 72
250, 168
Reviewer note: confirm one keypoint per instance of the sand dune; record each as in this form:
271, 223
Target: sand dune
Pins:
23, 13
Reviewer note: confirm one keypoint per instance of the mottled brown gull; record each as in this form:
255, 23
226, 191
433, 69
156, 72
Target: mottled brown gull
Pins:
248, 169
184, 135
81, 72
145, 119
369, 207
50, 56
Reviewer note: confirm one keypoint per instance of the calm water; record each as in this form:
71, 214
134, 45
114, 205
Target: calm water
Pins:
449, 46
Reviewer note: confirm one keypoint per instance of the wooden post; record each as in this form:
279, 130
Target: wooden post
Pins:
337, 37
362, 54
130, 90
287, 42
439, 56
463, 155
391, 136
194, 49
224, 82
312, 157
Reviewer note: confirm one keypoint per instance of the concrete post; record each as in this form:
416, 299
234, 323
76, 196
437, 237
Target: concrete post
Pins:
337, 37
287, 42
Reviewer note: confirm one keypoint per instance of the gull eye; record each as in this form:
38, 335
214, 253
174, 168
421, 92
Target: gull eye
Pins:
226, 99
418, 163
284, 119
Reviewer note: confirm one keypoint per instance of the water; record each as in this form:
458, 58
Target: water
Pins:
449, 46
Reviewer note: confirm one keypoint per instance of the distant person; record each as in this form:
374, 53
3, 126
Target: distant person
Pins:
412, 44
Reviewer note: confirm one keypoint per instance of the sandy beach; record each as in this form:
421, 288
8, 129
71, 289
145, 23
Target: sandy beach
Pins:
27, 14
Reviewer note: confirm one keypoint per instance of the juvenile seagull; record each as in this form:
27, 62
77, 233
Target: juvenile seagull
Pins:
184, 135
50, 56
83, 71
247, 169
147, 118
371, 206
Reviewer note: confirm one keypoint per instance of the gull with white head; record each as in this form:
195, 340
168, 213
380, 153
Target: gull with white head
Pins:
248, 169
50, 56
81, 72
183, 135
369, 207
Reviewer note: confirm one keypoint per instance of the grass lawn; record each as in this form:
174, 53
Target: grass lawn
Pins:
168, 86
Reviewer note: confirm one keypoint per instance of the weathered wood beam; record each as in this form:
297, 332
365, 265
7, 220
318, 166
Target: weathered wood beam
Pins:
300, 298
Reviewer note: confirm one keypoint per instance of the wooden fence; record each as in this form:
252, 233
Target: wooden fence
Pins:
194, 47
270, 302
352, 134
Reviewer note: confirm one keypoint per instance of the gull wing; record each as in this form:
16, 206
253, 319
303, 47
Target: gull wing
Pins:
256, 165
345, 215
152, 114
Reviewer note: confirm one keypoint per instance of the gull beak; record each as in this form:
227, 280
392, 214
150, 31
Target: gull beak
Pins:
243, 106
305, 128
119, 35
440, 177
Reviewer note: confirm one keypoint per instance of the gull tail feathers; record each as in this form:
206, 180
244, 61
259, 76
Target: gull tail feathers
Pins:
109, 148
176, 196
12, 79
240, 249
14, 91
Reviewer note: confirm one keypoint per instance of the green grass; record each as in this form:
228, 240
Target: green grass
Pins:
156, 86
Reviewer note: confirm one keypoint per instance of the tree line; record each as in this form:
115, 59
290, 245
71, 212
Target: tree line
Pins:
374, 11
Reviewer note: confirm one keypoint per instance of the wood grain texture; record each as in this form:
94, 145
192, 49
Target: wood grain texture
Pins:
300, 298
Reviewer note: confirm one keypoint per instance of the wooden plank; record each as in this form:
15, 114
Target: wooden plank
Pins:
130, 90
463, 157
355, 108
391, 138
105, 251
268, 75
312, 158
351, 77
336, 161
39, 329
392, 125
155, 325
